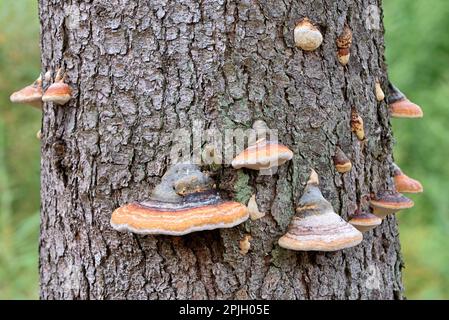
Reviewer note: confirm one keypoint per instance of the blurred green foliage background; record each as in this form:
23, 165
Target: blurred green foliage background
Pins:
19, 152
417, 47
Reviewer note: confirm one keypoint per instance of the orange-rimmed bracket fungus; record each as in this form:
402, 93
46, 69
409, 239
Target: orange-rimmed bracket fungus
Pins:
253, 209
364, 221
245, 244
316, 227
344, 42
380, 95
389, 202
307, 36
405, 184
58, 92
341, 161
357, 125
183, 202
262, 155
400, 106
31, 94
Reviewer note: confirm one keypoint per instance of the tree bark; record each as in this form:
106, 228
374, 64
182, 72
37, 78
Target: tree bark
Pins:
142, 69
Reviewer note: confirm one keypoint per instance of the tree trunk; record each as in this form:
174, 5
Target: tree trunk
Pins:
142, 69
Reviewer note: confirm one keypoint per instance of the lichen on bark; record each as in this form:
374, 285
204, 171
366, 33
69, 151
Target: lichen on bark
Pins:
242, 188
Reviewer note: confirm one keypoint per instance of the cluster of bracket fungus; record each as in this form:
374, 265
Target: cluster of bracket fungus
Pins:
31, 94
182, 203
400, 106
307, 36
185, 200
389, 202
405, 184
344, 42
341, 161
357, 125
59, 92
316, 227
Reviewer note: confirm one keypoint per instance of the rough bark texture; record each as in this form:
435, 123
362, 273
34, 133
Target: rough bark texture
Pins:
140, 70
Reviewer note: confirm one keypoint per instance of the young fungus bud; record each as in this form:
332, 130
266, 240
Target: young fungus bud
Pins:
357, 125
307, 36
253, 209
341, 161
380, 95
344, 42
39, 135
245, 244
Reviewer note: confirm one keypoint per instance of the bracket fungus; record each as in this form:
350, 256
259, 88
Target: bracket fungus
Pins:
400, 106
343, 56
357, 125
253, 209
31, 94
262, 155
380, 95
59, 92
344, 42
307, 36
405, 184
245, 244
341, 161
197, 207
364, 221
316, 227
389, 202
